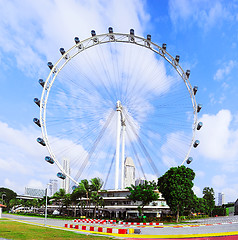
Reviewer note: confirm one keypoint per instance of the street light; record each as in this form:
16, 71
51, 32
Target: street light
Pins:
2, 196
46, 190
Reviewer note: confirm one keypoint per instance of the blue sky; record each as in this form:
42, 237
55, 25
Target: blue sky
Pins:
204, 34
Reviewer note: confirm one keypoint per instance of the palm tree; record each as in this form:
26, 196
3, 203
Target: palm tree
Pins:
59, 198
78, 193
96, 185
87, 188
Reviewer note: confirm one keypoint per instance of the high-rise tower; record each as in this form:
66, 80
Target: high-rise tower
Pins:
65, 183
129, 172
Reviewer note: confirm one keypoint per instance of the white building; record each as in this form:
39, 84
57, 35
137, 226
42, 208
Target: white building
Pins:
34, 192
65, 184
139, 181
53, 187
129, 172
116, 204
221, 199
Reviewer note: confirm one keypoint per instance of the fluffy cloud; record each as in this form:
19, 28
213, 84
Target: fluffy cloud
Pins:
218, 140
35, 36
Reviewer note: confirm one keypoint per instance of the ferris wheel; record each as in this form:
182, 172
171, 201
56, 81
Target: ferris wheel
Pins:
113, 96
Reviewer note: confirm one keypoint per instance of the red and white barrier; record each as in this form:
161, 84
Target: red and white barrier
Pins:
98, 229
141, 224
101, 221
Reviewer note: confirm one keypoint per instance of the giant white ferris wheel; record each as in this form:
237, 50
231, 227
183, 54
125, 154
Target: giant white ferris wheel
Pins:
113, 96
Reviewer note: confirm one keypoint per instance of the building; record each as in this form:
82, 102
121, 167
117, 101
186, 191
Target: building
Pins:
139, 181
129, 172
117, 205
221, 199
236, 207
34, 192
53, 187
65, 184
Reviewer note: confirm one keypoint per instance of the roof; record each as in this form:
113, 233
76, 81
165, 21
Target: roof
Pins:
2, 205
129, 162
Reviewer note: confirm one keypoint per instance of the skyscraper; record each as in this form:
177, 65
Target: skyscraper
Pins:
221, 199
53, 187
129, 172
65, 183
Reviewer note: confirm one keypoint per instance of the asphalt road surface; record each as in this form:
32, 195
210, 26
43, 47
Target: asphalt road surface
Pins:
223, 228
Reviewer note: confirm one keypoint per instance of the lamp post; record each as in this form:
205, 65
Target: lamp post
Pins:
2, 196
46, 190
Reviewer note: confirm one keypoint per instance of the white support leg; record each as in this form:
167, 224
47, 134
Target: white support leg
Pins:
123, 154
118, 144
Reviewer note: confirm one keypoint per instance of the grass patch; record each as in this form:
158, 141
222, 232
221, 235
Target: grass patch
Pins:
16, 230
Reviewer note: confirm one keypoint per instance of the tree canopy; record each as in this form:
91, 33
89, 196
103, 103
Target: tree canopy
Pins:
145, 193
176, 187
7, 194
209, 195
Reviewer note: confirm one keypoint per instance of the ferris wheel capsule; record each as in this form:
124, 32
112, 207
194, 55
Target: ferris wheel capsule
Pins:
41, 141
164, 46
50, 65
93, 33
74, 187
61, 175
196, 143
41, 82
110, 30
200, 124
199, 107
188, 73
76, 39
189, 160
177, 59
148, 37
195, 89
37, 122
37, 102
132, 32
62, 51
49, 160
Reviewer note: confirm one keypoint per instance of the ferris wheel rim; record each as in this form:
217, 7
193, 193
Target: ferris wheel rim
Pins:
104, 39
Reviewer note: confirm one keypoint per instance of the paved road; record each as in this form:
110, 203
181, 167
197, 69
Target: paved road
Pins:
219, 226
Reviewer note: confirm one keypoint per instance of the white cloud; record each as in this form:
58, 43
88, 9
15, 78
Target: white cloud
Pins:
218, 140
219, 181
200, 174
34, 31
197, 191
205, 14
225, 70
33, 183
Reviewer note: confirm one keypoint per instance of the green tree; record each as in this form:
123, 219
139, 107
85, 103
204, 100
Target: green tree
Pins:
78, 193
145, 193
199, 205
209, 195
96, 185
176, 187
6, 195
87, 188
59, 198
67, 201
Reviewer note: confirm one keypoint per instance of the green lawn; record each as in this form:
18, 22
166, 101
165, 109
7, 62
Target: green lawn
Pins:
15, 230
